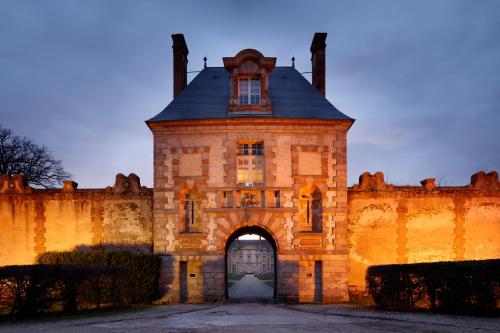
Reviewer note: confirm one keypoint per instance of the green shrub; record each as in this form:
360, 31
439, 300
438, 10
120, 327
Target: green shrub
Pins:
142, 270
265, 276
462, 286
233, 276
31, 289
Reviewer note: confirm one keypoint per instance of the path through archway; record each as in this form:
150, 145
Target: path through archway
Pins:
250, 265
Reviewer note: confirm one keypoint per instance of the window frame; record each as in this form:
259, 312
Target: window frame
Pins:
248, 80
250, 163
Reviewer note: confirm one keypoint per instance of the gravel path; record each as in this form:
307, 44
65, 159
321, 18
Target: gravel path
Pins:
249, 287
254, 317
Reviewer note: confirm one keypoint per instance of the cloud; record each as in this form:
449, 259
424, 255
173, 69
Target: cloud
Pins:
420, 78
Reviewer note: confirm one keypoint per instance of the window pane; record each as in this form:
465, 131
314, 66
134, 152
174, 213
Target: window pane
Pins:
254, 91
257, 148
255, 86
242, 176
250, 163
243, 95
243, 86
244, 99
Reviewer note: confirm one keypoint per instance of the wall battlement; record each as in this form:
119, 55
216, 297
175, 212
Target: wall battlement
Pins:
407, 224
387, 223
33, 221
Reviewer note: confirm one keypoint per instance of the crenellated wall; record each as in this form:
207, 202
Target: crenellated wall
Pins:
387, 224
33, 221
407, 224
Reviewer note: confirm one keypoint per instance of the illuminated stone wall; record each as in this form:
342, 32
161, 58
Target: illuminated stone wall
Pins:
403, 224
386, 224
34, 221
300, 157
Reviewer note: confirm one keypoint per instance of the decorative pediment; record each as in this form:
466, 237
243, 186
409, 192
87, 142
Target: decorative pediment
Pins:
249, 61
249, 81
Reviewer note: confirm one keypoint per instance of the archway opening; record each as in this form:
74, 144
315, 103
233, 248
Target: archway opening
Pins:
251, 265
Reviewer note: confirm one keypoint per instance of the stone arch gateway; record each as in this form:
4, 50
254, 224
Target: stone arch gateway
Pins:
249, 141
255, 230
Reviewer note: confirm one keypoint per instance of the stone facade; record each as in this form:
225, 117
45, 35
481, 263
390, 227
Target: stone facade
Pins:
250, 256
293, 150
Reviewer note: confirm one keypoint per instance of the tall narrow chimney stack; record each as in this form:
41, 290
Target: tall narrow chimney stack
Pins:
180, 63
318, 55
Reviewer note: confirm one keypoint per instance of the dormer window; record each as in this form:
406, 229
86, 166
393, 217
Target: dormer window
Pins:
249, 91
249, 82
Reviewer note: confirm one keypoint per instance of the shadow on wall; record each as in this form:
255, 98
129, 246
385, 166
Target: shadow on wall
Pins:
287, 281
213, 271
318, 282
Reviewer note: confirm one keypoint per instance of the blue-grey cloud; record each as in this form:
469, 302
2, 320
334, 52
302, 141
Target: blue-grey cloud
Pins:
421, 78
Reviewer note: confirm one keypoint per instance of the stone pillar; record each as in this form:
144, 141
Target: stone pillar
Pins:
402, 211
39, 226
459, 241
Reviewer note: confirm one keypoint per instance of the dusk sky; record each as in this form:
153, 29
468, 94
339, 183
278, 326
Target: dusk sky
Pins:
421, 78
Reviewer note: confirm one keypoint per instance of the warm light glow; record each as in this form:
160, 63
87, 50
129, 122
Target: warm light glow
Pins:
249, 237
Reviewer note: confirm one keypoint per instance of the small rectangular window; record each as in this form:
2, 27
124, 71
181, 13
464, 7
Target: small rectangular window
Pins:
277, 199
262, 199
228, 196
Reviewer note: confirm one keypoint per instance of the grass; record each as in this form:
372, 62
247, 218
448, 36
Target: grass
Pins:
268, 278
265, 276
234, 276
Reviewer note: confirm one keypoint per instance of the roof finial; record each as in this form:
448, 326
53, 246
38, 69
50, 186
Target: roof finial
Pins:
205, 62
293, 62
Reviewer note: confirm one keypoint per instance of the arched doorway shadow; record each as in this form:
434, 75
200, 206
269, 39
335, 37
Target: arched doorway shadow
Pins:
255, 230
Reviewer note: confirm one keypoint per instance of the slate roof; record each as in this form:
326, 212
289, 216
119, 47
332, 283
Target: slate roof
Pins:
207, 96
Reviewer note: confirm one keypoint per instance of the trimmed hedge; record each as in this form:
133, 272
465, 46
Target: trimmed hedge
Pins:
462, 286
31, 289
142, 270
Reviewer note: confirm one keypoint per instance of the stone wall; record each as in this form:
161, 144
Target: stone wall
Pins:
387, 224
33, 221
407, 224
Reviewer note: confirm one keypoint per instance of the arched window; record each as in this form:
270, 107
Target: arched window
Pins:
310, 209
191, 212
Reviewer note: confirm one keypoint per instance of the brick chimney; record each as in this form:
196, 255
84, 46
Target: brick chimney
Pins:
318, 47
180, 63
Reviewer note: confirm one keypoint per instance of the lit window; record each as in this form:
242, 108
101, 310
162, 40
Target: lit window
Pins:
250, 164
249, 91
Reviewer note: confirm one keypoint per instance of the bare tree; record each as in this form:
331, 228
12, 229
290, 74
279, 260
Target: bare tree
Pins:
19, 155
